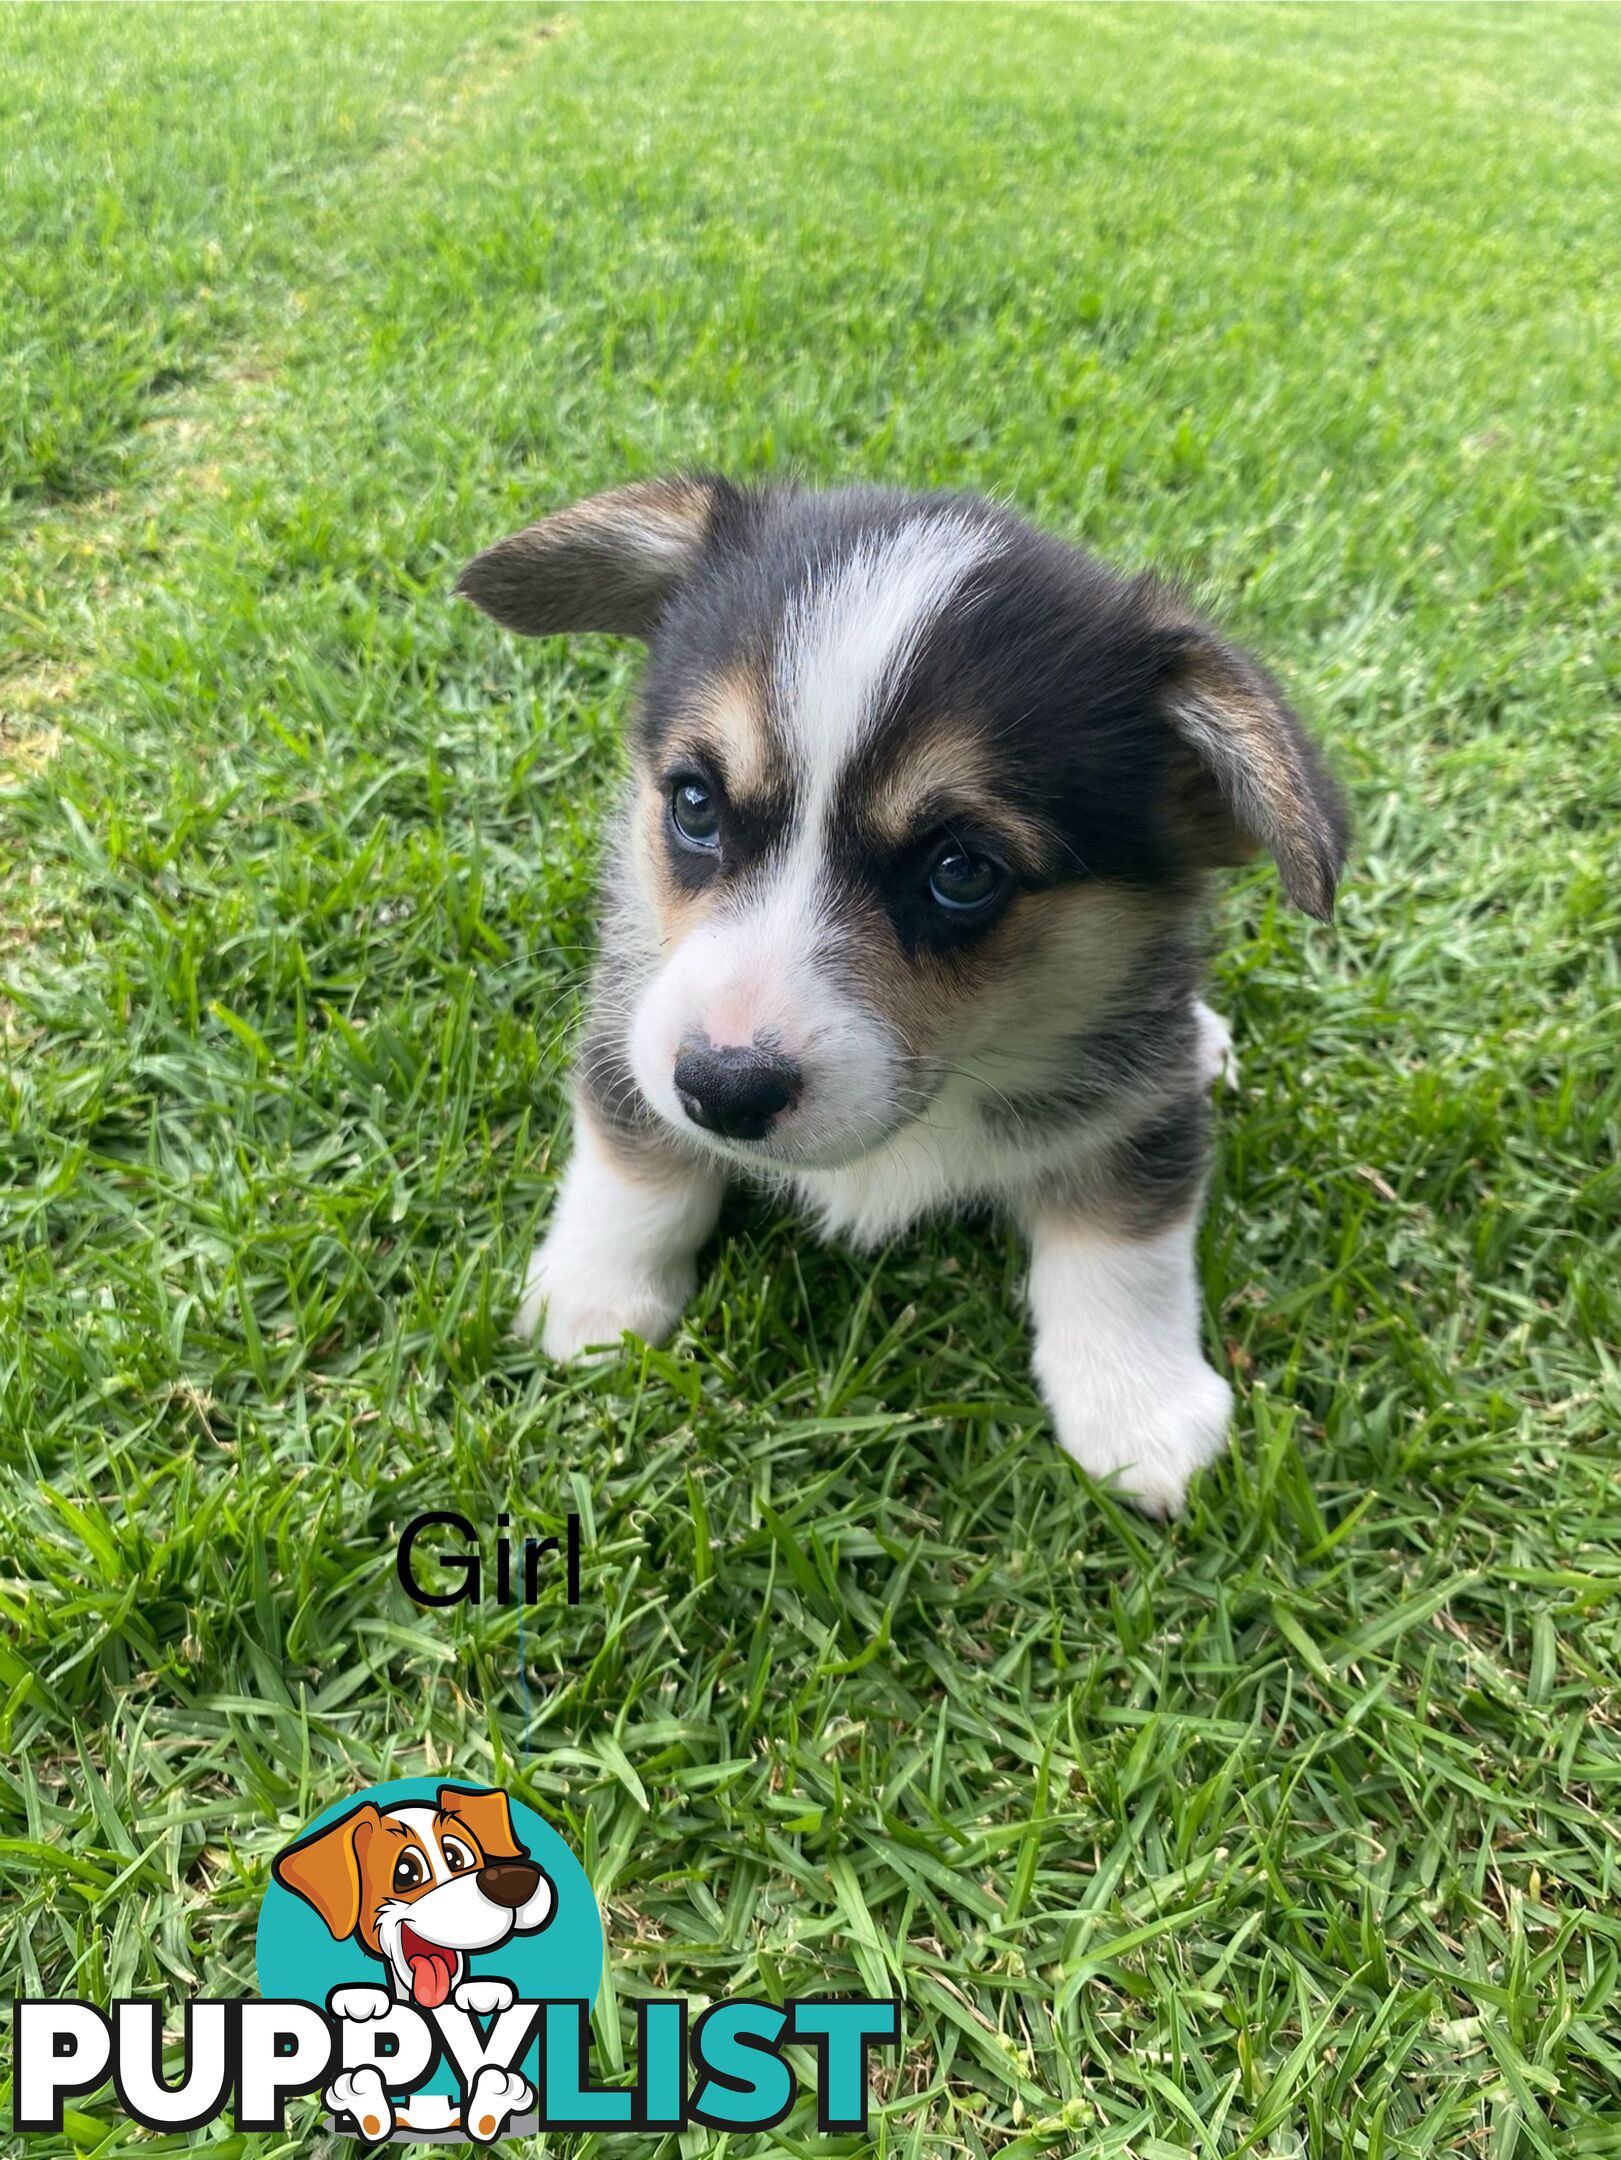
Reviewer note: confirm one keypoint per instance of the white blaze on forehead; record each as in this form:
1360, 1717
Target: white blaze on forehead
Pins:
846, 644
758, 970
849, 637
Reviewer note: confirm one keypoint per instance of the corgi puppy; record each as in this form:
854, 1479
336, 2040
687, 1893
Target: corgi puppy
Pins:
903, 913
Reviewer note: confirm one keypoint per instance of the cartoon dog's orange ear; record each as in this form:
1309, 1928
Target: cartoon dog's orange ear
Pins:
324, 1870
488, 1817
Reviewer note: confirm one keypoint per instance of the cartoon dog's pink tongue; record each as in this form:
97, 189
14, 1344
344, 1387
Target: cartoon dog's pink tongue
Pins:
432, 1969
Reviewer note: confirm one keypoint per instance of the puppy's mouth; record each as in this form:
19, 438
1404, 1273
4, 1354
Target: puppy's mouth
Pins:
434, 1970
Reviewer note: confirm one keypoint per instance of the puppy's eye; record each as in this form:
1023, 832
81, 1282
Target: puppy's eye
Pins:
457, 1858
964, 883
694, 813
409, 1871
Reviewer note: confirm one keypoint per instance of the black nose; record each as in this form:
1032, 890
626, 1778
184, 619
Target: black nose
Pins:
734, 1092
509, 1882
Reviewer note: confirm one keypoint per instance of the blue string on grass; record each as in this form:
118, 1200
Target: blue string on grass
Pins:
523, 1681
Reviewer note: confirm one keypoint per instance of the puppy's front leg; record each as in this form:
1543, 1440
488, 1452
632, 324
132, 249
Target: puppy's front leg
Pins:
623, 1242
1114, 1296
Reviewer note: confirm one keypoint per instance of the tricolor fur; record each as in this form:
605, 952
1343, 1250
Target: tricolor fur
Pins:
904, 912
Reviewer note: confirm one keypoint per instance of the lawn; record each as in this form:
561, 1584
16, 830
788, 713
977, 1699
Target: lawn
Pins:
1293, 1827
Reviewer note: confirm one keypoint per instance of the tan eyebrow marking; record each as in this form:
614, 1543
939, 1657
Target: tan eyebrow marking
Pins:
948, 761
940, 774
727, 718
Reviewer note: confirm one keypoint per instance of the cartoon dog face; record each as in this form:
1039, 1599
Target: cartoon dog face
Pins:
422, 1887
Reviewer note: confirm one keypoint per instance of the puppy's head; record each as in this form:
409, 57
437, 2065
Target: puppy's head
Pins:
914, 785
422, 1887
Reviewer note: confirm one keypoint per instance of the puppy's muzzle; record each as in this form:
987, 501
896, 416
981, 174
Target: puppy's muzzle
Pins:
736, 1092
509, 1882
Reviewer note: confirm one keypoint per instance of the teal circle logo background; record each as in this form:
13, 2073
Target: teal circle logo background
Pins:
298, 1959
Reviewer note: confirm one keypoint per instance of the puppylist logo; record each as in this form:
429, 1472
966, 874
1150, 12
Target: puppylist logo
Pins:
428, 1954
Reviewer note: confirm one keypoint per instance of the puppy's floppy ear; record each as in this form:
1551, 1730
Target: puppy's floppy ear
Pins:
324, 1870
1249, 776
609, 563
488, 1816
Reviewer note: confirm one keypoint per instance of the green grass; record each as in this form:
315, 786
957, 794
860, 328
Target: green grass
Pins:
1292, 1828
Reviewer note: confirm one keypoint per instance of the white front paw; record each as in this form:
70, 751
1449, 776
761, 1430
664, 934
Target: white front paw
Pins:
484, 1997
360, 2097
576, 1299
359, 2003
1218, 1064
1147, 1431
496, 2096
